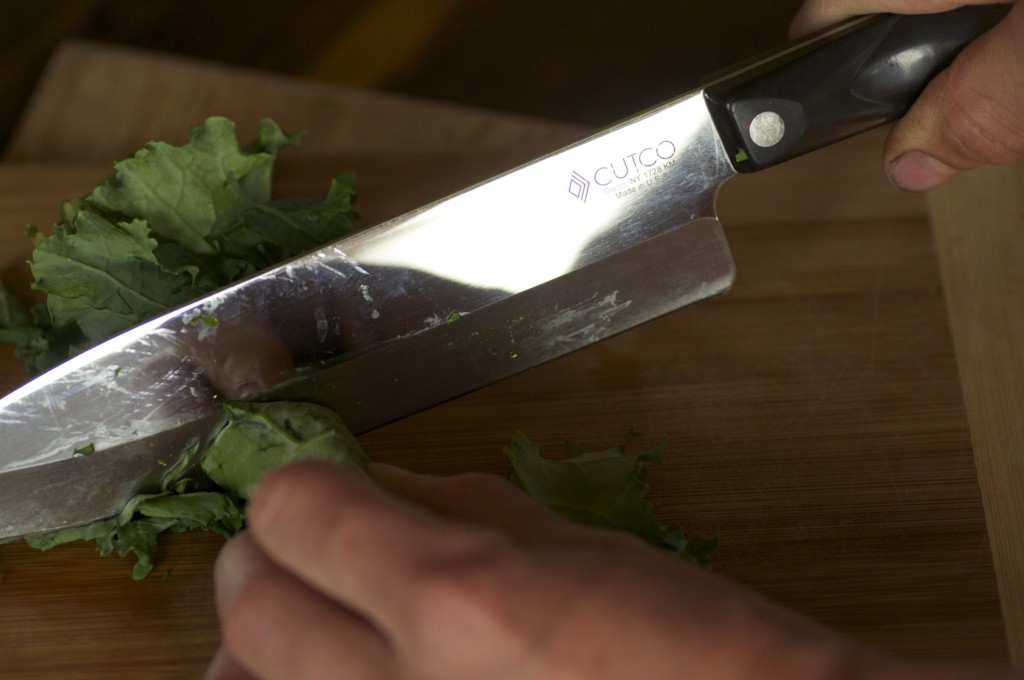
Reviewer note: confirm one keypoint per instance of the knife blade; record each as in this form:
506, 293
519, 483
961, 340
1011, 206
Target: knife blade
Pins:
565, 251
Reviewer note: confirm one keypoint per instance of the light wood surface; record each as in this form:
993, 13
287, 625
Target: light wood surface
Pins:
814, 415
979, 229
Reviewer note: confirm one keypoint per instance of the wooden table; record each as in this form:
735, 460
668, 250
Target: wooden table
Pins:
815, 415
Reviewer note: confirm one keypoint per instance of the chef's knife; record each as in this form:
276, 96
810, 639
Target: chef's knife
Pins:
560, 253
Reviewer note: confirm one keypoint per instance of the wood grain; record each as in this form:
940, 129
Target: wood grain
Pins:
979, 229
814, 415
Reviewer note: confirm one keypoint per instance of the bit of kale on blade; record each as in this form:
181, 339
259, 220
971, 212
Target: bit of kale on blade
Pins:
175, 223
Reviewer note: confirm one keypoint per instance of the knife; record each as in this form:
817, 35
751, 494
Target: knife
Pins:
581, 244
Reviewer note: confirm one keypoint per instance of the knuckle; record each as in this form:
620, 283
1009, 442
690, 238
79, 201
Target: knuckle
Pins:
465, 590
981, 129
241, 622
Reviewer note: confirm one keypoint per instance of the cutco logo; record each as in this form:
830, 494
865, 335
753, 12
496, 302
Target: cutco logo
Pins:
579, 186
625, 175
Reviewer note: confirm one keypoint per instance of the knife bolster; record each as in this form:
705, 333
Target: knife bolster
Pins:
838, 83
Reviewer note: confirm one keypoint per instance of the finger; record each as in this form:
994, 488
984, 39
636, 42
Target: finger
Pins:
479, 498
816, 15
223, 667
369, 549
972, 114
274, 626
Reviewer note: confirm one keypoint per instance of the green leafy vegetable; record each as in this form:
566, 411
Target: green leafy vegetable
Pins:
12, 314
86, 450
261, 436
606, 489
104, 277
176, 507
36, 341
189, 192
255, 438
172, 224
139, 525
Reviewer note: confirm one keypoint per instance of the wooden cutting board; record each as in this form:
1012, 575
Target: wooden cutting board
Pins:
814, 415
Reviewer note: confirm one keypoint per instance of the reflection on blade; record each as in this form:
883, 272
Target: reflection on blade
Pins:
545, 259
537, 223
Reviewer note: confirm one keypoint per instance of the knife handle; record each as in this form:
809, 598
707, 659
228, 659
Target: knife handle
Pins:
838, 83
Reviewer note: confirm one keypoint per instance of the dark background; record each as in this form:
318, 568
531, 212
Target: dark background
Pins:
582, 61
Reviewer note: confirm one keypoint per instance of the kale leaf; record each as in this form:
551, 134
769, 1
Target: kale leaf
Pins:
260, 436
254, 439
172, 224
606, 489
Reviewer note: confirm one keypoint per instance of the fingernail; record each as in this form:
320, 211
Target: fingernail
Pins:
918, 171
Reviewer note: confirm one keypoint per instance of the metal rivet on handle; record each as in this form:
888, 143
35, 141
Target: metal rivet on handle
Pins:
767, 129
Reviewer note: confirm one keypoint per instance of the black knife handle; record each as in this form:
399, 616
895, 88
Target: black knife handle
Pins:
838, 83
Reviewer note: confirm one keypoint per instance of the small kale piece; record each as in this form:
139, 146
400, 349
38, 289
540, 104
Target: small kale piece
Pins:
104, 276
268, 233
137, 527
187, 192
254, 439
606, 489
260, 436
36, 342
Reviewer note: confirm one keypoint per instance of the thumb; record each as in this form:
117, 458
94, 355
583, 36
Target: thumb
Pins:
971, 114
